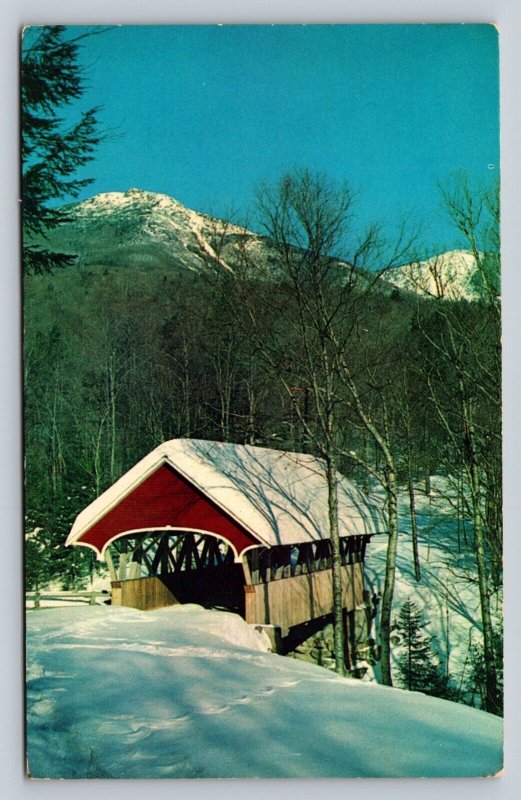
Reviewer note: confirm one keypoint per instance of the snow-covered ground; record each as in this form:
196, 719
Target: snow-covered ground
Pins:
187, 692
448, 592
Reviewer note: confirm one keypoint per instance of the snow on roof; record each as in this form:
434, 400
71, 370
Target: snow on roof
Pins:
280, 497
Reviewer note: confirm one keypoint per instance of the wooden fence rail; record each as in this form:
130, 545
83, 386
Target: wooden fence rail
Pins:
80, 597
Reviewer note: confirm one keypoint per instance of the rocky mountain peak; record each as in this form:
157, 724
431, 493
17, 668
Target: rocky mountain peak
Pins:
144, 228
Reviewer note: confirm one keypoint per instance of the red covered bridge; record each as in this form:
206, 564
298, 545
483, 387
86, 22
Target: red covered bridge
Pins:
235, 526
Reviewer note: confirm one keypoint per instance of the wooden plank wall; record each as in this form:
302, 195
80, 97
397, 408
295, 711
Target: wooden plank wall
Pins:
291, 601
142, 593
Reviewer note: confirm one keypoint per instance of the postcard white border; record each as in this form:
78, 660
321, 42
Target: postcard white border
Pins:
507, 13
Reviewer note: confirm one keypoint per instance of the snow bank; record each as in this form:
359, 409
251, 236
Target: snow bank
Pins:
184, 692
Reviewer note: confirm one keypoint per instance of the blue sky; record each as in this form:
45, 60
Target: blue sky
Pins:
206, 114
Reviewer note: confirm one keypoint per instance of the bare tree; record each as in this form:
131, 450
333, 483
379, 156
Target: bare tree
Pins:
315, 312
475, 213
305, 218
464, 382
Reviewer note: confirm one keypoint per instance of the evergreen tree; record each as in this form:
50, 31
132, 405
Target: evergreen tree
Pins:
37, 560
417, 666
476, 685
51, 151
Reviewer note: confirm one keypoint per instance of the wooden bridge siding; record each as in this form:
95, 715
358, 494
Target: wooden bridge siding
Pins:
291, 601
142, 593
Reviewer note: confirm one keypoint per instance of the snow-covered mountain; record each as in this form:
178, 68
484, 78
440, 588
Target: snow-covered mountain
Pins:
145, 229
448, 275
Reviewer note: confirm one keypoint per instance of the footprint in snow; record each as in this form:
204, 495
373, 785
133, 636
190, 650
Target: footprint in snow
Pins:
167, 724
212, 710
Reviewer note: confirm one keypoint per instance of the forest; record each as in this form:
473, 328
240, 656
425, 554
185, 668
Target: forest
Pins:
299, 351
303, 345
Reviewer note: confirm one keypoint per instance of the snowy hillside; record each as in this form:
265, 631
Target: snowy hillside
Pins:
183, 692
139, 228
447, 275
448, 591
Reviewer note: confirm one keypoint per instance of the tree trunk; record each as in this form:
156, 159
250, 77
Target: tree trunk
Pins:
390, 569
491, 703
491, 694
112, 405
409, 653
338, 611
414, 529
383, 447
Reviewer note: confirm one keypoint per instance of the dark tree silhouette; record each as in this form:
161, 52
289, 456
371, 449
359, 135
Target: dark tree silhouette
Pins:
417, 665
52, 152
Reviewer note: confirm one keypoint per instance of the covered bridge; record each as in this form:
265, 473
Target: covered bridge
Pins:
235, 526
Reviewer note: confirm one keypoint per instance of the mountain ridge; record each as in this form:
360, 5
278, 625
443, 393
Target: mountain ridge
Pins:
149, 229
142, 226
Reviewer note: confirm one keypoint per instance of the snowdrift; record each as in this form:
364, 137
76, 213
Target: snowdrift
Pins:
184, 692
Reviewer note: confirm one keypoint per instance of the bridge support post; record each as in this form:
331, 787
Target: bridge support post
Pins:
274, 634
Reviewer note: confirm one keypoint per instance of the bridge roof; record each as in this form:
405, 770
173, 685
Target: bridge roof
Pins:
274, 497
